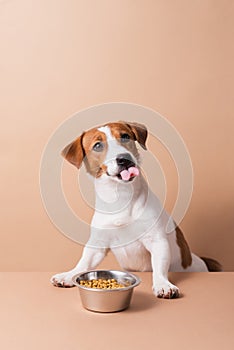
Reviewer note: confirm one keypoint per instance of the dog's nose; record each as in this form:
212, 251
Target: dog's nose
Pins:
125, 160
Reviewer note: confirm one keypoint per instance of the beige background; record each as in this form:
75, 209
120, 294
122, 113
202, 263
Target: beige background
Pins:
58, 57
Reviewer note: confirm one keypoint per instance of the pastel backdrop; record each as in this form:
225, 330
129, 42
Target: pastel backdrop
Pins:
59, 57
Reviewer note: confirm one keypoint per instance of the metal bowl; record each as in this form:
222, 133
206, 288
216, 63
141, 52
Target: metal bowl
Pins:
106, 300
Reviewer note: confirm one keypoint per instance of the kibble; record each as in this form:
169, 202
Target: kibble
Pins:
102, 283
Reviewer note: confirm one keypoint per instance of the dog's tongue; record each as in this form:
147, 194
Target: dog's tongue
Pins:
128, 173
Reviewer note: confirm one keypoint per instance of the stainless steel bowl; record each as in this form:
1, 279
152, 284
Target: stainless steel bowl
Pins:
107, 300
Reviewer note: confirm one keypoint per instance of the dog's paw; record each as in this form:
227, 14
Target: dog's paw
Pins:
63, 279
166, 290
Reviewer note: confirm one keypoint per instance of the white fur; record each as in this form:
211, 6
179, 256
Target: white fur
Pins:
130, 220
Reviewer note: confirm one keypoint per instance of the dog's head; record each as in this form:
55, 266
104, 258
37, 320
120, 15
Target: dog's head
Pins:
109, 150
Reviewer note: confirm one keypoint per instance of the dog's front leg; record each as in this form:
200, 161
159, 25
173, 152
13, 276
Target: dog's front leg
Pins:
91, 257
160, 259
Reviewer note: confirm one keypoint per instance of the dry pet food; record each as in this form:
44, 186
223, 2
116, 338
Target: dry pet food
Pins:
101, 283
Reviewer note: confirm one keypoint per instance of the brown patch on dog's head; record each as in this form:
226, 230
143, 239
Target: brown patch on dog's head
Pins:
137, 132
74, 152
82, 150
127, 133
140, 132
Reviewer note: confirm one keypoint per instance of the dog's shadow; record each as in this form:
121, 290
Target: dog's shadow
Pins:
142, 301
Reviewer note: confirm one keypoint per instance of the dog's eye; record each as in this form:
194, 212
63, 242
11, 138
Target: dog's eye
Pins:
98, 147
125, 138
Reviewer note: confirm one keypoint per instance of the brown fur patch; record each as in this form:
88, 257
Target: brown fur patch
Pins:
74, 152
212, 265
120, 128
94, 160
82, 150
140, 132
186, 257
137, 132
102, 170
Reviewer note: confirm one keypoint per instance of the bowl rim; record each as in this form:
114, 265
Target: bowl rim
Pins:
137, 282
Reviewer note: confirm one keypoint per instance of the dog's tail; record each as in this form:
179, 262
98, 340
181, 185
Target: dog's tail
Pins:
212, 265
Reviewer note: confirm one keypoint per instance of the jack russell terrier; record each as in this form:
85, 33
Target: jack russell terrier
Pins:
128, 219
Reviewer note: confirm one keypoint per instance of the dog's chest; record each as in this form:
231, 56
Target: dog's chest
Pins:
133, 257
117, 220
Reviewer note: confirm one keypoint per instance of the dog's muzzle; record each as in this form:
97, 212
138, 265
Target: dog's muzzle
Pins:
125, 161
127, 169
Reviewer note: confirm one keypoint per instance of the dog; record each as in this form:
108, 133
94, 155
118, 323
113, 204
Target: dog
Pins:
129, 219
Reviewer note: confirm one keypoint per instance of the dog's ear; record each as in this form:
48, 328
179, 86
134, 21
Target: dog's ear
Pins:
74, 152
140, 132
